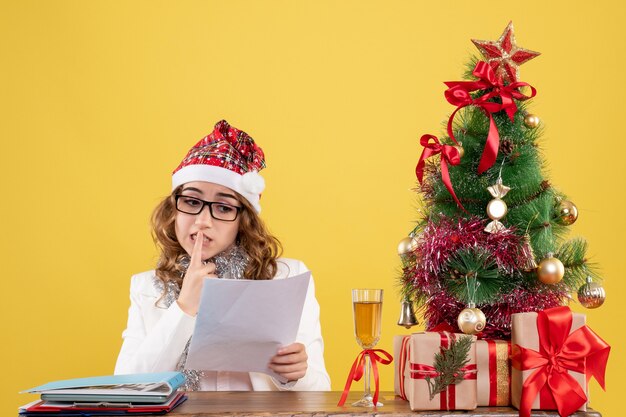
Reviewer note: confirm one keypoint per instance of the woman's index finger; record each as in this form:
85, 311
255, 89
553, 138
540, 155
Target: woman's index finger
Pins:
196, 253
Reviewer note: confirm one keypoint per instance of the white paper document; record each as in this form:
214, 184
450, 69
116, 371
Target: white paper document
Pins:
241, 323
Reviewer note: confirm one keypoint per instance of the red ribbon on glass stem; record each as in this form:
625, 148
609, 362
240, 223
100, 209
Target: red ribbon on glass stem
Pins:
449, 155
458, 94
581, 351
358, 369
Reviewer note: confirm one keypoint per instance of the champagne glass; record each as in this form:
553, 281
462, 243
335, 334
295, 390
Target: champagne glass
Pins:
368, 311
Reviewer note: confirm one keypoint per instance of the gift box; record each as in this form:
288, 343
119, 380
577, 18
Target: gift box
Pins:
421, 378
494, 373
554, 354
401, 363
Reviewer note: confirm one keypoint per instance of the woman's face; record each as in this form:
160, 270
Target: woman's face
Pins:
219, 235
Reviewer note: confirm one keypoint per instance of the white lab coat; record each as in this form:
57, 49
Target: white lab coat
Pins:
155, 337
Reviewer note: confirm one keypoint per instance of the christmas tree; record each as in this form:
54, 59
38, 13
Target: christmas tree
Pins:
492, 240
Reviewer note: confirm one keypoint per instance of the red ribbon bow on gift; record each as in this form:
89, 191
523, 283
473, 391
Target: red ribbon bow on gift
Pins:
458, 94
358, 368
449, 155
581, 351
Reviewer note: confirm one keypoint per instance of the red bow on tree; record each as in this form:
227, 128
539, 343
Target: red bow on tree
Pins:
449, 155
581, 351
458, 94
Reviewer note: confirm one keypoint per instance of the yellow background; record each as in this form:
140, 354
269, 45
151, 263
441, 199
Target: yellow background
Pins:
101, 99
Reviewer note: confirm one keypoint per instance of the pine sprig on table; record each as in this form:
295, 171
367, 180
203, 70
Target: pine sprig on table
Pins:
448, 364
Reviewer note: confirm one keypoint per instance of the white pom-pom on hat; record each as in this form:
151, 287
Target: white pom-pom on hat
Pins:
252, 182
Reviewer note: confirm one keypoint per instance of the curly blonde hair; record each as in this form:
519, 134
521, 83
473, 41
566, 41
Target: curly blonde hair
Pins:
259, 244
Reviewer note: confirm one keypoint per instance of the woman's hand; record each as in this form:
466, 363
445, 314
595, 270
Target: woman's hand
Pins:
290, 361
197, 272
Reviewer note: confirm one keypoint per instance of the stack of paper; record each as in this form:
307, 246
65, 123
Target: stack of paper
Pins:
136, 394
242, 323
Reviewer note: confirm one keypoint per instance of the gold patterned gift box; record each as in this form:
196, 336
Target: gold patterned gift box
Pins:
494, 373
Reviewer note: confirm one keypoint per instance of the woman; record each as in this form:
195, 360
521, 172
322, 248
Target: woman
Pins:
209, 227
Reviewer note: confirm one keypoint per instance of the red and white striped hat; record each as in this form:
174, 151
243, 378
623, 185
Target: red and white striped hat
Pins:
227, 157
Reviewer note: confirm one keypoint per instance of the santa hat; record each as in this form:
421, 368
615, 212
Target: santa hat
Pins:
227, 157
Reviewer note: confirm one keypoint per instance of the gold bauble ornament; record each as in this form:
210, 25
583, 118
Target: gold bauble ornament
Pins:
407, 245
550, 270
460, 149
568, 213
531, 121
471, 320
591, 294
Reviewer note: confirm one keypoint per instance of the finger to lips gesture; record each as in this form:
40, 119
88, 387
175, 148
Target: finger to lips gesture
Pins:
290, 361
197, 272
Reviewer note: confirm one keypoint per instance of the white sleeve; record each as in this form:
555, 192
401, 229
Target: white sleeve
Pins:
310, 335
154, 349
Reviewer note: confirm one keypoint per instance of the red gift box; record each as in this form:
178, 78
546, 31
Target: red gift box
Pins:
554, 356
494, 372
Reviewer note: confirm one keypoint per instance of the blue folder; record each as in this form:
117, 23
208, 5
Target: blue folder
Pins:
134, 388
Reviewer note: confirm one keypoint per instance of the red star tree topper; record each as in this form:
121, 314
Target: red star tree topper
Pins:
504, 56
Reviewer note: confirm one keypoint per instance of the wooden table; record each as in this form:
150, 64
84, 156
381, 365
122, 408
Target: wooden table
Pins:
320, 404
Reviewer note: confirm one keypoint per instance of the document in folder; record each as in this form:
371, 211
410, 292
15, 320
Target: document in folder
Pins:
241, 323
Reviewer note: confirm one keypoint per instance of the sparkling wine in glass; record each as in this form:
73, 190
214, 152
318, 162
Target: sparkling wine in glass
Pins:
368, 311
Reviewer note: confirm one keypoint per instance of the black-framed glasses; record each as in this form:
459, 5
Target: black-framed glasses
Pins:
219, 211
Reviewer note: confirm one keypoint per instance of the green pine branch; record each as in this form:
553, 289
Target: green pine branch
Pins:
577, 268
478, 265
448, 363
